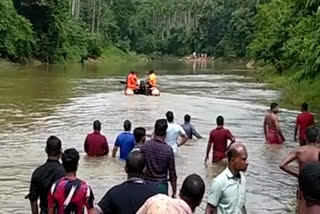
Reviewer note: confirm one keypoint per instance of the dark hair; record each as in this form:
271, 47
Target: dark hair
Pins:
169, 116
70, 160
309, 180
220, 121
232, 153
127, 125
160, 128
53, 147
151, 71
312, 134
187, 118
305, 106
135, 162
273, 105
132, 72
139, 133
97, 125
193, 189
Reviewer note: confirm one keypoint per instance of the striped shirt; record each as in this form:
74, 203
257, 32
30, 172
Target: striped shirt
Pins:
159, 161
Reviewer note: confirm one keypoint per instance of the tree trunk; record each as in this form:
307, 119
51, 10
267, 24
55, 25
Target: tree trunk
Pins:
99, 14
73, 4
78, 7
93, 16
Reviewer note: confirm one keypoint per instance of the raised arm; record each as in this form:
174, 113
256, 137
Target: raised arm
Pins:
284, 165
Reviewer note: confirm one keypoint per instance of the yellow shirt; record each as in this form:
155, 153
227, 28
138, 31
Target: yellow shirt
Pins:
153, 80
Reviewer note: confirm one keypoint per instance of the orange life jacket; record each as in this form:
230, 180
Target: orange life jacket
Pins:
132, 81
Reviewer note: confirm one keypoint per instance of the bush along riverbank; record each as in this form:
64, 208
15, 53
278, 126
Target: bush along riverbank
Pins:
293, 92
115, 55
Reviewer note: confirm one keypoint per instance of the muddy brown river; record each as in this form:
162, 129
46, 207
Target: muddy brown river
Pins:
36, 102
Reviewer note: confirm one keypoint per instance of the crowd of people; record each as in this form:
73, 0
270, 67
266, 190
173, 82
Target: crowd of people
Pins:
150, 168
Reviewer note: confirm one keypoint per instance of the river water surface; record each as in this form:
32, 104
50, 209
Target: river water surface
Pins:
36, 102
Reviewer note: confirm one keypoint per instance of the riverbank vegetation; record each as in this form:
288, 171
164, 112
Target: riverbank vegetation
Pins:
281, 33
287, 40
287, 36
74, 30
293, 93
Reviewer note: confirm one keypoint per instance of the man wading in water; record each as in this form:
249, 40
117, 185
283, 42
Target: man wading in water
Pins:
309, 183
304, 120
218, 140
227, 194
303, 154
160, 160
44, 176
272, 131
174, 131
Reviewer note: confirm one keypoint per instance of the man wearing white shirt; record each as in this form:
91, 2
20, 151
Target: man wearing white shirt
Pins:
174, 131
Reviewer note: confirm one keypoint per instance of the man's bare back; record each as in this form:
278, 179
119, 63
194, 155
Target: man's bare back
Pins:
271, 121
272, 131
307, 154
303, 155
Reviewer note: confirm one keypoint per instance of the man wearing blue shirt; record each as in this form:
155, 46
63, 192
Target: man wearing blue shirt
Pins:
125, 141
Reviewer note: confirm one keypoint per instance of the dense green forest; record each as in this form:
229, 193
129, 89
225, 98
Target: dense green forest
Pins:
284, 33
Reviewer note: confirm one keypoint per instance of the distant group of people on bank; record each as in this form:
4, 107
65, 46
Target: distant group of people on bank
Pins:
150, 167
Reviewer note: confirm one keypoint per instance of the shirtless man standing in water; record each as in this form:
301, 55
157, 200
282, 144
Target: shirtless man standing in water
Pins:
272, 131
304, 155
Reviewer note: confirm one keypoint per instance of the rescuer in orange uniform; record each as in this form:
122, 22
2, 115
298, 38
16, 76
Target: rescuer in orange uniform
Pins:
132, 81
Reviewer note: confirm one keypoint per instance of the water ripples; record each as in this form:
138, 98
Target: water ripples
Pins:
70, 115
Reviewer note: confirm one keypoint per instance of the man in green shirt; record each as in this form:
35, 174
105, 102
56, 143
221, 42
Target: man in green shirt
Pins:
227, 194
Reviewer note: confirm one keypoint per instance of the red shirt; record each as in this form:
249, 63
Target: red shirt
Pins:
70, 196
304, 120
219, 138
96, 144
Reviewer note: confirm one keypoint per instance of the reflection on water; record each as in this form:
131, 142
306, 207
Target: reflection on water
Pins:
63, 101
